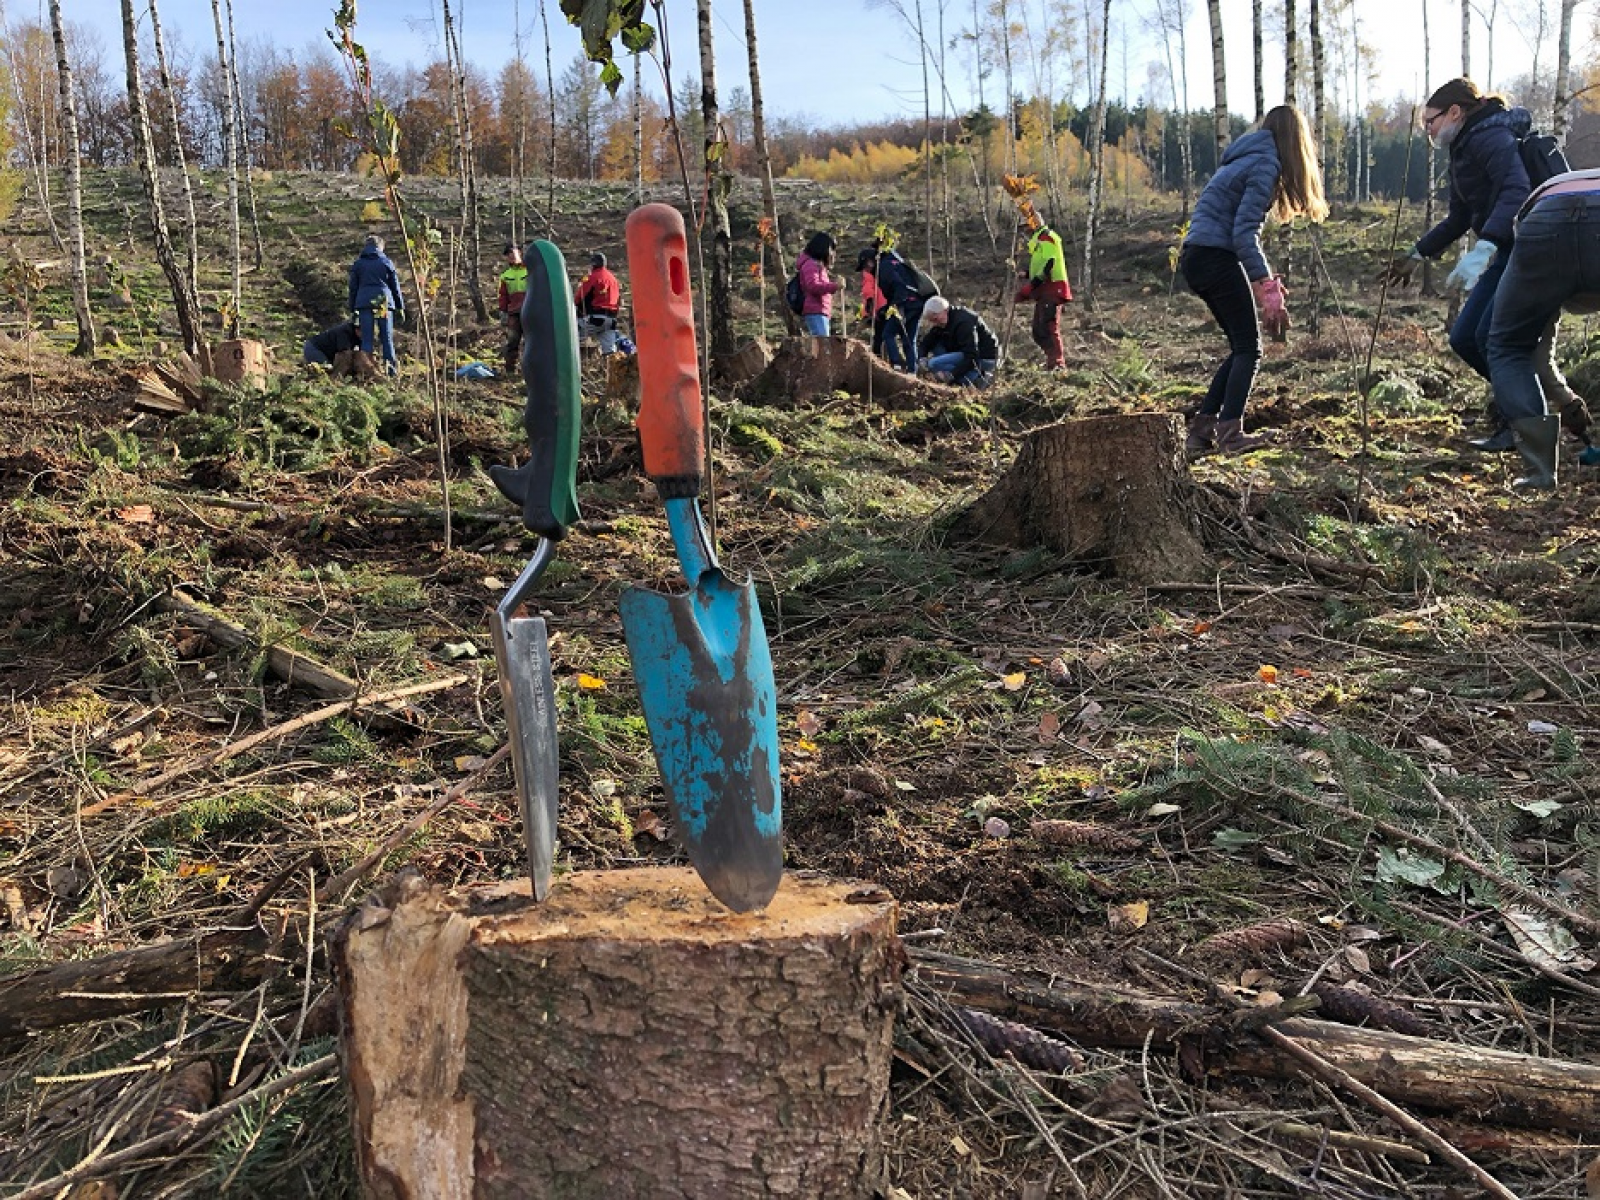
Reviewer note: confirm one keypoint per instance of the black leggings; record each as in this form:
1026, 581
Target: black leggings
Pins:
1218, 278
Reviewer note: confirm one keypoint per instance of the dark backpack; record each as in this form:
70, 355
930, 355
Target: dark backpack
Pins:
794, 295
1542, 157
924, 284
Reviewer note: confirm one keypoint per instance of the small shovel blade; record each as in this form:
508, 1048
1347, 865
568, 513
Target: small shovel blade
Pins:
528, 693
704, 673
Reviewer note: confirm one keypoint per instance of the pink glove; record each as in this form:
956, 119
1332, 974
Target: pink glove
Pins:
1270, 297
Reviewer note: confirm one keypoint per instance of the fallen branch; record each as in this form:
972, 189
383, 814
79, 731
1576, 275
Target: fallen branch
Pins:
273, 733
180, 1136
294, 668
1328, 1072
1495, 1086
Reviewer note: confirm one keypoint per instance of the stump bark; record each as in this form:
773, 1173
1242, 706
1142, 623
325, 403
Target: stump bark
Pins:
1111, 492
628, 1038
812, 368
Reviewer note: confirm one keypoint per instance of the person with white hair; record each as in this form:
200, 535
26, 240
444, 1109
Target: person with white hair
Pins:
956, 346
376, 300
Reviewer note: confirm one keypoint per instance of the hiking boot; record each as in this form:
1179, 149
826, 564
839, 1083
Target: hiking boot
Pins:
1537, 441
1500, 440
1232, 439
1202, 438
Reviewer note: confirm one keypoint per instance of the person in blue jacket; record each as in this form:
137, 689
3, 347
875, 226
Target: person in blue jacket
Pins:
376, 300
1488, 185
1273, 170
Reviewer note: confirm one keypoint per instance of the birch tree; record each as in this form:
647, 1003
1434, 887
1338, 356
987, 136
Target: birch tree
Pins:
1255, 41
758, 127
466, 165
241, 134
230, 151
1097, 152
1291, 52
183, 297
1219, 79
1466, 40
69, 121
1562, 104
1318, 80
191, 223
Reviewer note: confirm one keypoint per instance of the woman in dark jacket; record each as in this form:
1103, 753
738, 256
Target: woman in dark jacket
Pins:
1488, 184
376, 300
1273, 170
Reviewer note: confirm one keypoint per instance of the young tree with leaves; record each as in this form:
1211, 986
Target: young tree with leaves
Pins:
466, 164
230, 153
191, 227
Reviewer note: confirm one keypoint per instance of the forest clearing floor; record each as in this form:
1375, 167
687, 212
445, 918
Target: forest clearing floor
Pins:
1048, 769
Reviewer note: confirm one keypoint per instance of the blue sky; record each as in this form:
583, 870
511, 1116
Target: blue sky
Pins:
837, 61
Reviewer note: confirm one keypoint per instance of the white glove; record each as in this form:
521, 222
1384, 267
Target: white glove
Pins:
1464, 275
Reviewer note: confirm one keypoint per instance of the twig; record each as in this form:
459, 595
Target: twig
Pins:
1329, 1073
1352, 1141
336, 887
271, 734
1483, 939
180, 1136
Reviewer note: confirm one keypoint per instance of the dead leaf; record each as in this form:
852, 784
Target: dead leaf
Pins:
808, 724
1267, 673
1255, 978
1434, 748
1119, 1100
1129, 918
1358, 959
648, 824
996, 827
1267, 998
1090, 714
480, 833
66, 882
1097, 660
137, 514
960, 1146
469, 762
1049, 727
1591, 1180
1014, 680
591, 683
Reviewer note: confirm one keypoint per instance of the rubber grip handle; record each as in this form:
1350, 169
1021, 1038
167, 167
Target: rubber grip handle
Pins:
546, 485
671, 424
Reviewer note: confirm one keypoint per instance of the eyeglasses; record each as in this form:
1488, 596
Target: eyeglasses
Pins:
1428, 122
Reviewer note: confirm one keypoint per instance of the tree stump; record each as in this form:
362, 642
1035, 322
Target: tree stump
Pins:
1112, 492
627, 1038
810, 368
240, 360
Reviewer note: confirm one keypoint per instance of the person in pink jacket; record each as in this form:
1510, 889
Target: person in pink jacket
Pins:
815, 284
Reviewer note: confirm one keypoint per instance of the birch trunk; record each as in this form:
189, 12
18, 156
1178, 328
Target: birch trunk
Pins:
758, 126
192, 225
927, 140
550, 91
1318, 83
241, 133
1291, 52
1219, 79
1561, 106
69, 121
1097, 154
230, 148
638, 121
139, 117
1255, 40
1466, 40
1433, 162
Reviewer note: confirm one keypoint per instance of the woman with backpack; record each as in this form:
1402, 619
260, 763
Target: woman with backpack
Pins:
1488, 184
1272, 170
816, 286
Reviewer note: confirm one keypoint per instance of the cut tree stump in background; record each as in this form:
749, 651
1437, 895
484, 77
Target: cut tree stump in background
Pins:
813, 368
1111, 492
627, 1038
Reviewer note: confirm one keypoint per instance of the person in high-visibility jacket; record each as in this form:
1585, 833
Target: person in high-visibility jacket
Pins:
513, 287
1046, 285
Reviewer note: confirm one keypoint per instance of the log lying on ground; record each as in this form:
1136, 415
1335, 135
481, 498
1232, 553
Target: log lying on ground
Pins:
289, 665
813, 368
627, 1038
1493, 1086
1111, 492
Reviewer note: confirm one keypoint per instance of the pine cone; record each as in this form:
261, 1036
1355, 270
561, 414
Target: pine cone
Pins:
1280, 933
1084, 833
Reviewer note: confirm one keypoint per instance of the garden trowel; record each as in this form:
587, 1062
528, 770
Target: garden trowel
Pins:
700, 657
545, 488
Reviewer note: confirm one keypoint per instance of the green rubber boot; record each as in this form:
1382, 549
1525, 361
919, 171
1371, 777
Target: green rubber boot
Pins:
1537, 441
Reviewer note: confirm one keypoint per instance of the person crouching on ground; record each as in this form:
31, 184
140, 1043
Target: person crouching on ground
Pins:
1554, 262
816, 313
599, 299
957, 346
513, 290
376, 300
1272, 170
1046, 285
324, 349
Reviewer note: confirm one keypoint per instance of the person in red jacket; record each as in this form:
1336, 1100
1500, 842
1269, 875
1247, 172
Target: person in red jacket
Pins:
599, 297
513, 287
